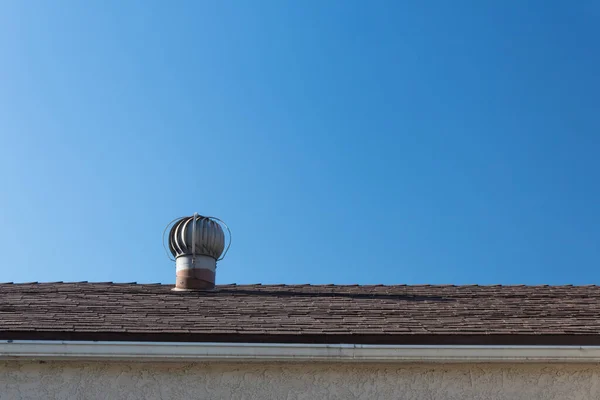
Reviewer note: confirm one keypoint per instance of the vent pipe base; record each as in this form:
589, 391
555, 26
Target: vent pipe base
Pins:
195, 273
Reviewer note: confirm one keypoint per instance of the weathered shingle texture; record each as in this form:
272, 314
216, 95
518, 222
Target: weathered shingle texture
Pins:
303, 313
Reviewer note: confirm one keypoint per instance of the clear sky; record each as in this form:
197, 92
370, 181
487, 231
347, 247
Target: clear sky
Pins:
342, 141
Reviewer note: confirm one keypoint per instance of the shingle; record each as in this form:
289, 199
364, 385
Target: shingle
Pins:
377, 312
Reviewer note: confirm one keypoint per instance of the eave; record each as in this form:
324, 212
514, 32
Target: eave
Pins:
281, 352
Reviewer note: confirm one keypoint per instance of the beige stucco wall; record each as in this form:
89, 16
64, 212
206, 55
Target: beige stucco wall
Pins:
94, 380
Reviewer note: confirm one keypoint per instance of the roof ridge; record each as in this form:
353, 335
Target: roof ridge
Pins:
318, 285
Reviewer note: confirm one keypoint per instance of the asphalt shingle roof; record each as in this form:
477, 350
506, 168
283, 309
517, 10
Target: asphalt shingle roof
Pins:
303, 313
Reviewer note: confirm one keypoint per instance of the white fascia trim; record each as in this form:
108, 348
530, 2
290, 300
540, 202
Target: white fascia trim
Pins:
197, 352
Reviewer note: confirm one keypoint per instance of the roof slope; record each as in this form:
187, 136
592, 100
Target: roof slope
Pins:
303, 313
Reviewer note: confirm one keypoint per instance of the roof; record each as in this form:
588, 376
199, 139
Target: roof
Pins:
376, 314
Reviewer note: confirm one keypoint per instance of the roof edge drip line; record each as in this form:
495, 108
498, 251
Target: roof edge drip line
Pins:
278, 352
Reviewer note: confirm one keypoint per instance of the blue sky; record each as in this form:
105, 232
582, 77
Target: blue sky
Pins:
342, 141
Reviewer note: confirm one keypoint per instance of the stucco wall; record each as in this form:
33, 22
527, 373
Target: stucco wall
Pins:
93, 380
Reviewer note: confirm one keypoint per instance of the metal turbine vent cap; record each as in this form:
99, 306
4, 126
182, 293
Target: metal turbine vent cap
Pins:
197, 243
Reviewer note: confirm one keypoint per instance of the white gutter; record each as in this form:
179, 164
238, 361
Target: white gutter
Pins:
189, 352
